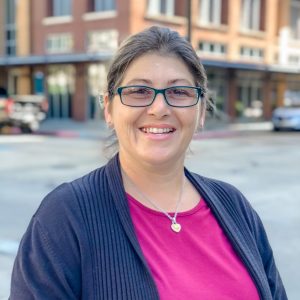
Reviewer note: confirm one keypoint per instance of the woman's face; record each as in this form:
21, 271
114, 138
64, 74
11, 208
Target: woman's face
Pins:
139, 129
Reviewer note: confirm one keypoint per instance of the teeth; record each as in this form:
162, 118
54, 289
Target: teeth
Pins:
157, 130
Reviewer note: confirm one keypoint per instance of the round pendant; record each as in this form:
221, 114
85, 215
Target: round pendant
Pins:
176, 227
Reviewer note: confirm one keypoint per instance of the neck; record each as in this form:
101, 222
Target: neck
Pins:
162, 185
159, 175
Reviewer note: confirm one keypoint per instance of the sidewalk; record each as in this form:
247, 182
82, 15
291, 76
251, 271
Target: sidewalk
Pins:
73, 129
97, 129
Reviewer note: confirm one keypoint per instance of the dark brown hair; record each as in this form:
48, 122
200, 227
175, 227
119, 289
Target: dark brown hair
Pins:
154, 39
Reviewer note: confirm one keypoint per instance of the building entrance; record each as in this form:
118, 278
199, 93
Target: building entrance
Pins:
60, 90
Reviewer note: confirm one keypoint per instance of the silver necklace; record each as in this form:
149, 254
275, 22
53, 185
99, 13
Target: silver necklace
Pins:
176, 227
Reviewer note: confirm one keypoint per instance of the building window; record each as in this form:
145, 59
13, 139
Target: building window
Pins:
10, 28
217, 89
59, 43
249, 103
212, 48
59, 8
294, 59
102, 40
213, 12
101, 5
251, 53
252, 14
295, 19
60, 87
161, 7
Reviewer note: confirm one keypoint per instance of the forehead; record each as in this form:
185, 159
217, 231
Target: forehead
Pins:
157, 67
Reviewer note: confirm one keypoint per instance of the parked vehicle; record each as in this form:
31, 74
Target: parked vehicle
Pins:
286, 117
22, 111
6, 107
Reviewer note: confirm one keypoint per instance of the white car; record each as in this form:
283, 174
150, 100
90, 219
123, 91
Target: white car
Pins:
286, 117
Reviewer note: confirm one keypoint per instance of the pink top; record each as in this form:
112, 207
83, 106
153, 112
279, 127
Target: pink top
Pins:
196, 263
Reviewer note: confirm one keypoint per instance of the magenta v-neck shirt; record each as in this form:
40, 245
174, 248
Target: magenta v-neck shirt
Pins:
196, 263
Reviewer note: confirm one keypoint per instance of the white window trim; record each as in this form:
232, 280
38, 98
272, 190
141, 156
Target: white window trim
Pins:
98, 33
60, 38
204, 7
256, 15
245, 17
221, 27
248, 18
167, 19
217, 49
57, 20
295, 5
170, 8
97, 15
254, 33
204, 13
217, 13
255, 53
154, 9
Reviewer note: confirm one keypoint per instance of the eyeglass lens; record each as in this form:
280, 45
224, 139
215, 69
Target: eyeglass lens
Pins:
143, 96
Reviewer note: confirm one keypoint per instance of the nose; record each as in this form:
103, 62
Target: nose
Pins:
159, 107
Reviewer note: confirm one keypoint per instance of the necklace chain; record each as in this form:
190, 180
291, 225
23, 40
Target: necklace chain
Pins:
175, 226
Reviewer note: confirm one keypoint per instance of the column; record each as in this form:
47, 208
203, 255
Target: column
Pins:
79, 105
232, 93
267, 94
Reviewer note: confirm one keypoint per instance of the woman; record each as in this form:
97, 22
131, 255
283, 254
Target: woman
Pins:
143, 226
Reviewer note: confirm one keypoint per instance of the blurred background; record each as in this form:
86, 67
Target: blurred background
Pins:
61, 49
54, 57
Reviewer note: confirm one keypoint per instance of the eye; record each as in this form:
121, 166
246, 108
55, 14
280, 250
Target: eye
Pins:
180, 92
137, 91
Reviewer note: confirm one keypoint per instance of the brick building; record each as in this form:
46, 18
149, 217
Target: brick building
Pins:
250, 49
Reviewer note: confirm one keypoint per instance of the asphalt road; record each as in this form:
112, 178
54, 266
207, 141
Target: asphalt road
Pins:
265, 166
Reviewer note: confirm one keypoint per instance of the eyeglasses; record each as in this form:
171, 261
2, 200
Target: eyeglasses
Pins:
176, 96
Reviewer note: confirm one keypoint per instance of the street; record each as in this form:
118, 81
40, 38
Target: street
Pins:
264, 165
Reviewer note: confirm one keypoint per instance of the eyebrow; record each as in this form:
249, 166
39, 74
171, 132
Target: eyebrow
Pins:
149, 82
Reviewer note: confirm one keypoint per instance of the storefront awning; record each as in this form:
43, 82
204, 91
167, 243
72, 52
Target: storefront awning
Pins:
54, 59
287, 69
10, 61
233, 65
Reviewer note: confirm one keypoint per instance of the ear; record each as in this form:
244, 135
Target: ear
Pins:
108, 110
200, 116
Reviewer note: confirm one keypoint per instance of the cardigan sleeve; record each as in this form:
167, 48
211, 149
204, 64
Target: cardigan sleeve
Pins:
245, 218
260, 237
47, 265
265, 250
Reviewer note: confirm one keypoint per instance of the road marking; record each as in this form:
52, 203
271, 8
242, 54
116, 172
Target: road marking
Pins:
9, 247
6, 139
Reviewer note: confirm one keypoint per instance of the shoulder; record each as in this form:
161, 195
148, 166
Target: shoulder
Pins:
64, 203
224, 196
218, 187
231, 206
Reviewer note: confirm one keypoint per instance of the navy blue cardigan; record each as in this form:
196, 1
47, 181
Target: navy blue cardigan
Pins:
81, 244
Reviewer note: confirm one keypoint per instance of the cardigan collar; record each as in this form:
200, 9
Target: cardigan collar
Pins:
218, 205
114, 176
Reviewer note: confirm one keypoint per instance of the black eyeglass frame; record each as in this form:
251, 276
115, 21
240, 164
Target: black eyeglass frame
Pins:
200, 94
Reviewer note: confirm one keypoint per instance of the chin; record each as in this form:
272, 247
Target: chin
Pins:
161, 157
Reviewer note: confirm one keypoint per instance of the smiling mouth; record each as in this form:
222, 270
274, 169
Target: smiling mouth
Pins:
155, 130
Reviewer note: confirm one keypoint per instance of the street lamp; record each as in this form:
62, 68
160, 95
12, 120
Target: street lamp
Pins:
189, 21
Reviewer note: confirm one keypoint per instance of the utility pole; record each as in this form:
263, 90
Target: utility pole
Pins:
189, 20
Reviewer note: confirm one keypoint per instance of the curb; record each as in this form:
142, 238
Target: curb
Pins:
211, 131
215, 134
71, 134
